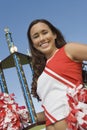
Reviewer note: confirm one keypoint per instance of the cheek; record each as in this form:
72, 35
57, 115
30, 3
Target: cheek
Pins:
35, 44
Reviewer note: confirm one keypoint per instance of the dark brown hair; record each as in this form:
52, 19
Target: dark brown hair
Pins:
38, 59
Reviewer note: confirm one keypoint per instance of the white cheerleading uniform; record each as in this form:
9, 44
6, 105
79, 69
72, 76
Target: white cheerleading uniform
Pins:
60, 99
54, 99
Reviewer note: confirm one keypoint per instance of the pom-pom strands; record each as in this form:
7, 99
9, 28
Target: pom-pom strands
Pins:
12, 116
77, 118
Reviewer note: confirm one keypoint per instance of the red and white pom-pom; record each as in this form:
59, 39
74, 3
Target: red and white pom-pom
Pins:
77, 118
12, 117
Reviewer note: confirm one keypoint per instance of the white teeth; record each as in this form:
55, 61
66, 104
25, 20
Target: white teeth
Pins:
44, 44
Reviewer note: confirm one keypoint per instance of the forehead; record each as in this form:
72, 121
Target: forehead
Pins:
39, 27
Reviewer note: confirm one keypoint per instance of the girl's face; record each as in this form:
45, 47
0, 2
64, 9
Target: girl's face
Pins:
43, 39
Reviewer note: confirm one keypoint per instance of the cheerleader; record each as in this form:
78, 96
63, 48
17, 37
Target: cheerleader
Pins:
57, 77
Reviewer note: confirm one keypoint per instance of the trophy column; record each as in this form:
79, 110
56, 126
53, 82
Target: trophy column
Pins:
21, 75
3, 84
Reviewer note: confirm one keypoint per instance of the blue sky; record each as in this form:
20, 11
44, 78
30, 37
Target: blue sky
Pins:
70, 16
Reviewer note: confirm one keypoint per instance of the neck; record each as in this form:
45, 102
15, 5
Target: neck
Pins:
48, 56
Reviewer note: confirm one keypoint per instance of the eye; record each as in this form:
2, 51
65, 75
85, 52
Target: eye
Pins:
44, 32
35, 36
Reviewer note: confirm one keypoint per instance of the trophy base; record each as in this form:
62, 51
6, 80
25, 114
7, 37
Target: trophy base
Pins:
34, 125
30, 126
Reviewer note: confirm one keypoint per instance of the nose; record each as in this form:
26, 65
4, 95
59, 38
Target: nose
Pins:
41, 37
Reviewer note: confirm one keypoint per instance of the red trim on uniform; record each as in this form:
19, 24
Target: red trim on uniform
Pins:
58, 78
48, 122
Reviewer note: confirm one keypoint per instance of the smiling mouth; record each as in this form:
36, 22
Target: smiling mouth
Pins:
44, 44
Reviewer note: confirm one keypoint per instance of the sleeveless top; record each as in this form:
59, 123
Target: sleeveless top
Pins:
61, 64
60, 90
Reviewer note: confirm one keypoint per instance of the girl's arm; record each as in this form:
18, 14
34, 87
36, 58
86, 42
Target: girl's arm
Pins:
76, 51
